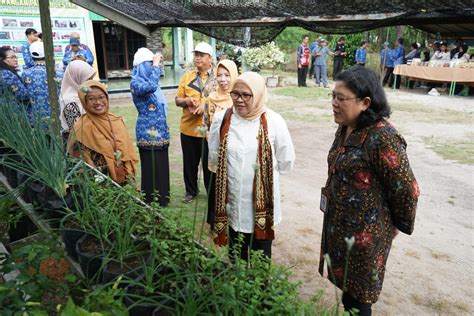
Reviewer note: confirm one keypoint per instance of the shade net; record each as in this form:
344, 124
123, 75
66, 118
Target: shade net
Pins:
254, 22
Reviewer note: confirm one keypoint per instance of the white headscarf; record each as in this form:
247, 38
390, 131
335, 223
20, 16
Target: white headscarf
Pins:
143, 54
76, 73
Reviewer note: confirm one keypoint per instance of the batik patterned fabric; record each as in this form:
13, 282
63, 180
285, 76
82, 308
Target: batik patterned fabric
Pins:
25, 50
151, 106
372, 191
36, 81
83, 51
15, 85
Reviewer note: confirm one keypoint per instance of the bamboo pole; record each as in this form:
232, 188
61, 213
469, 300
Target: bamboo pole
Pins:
49, 58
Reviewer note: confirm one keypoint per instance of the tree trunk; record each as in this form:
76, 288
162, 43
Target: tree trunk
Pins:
46, 28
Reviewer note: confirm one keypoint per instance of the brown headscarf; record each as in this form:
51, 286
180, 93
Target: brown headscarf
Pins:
256, 84
222, 97
105, 134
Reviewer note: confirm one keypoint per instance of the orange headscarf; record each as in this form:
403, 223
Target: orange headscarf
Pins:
222, 97
105, 134
256, 84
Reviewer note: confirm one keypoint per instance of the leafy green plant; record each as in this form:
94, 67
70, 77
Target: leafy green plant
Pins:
44, 159
268, 56
43, 281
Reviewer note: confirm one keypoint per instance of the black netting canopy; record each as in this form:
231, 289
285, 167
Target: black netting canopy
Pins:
253, 22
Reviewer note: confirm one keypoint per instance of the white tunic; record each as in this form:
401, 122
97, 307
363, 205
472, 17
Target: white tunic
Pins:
241, 164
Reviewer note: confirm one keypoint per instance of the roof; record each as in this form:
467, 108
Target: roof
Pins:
230, 20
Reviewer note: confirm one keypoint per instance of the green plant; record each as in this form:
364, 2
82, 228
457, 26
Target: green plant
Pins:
102, 301
44, 159
43, 279
9, 213
268, 56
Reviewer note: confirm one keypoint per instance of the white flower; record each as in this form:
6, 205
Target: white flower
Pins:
201, 130
99, 178
266, 56
118, 155
84, 89
349, 242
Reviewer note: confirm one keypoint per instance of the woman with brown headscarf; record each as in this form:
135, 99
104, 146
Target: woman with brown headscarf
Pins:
251, 146
100, 137
217, 101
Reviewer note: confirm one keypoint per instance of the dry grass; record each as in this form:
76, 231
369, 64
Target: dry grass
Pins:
459, 150
440, 255
306, 231
412, 253
307, 248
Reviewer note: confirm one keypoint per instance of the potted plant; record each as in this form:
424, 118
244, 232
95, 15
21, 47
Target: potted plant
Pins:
268, 56
127, 253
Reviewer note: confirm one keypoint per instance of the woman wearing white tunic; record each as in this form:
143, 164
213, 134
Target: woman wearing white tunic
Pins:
244, 141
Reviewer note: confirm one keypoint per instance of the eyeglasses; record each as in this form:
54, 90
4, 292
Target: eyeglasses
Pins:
339, 98
245, 96
11, 57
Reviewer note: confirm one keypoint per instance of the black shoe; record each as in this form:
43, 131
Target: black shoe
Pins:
188, 198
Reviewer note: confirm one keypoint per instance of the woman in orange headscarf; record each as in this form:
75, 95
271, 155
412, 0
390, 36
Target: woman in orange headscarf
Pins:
100, 137
217, 101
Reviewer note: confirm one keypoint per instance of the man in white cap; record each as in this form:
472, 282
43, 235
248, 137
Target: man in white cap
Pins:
194, 88
36, 82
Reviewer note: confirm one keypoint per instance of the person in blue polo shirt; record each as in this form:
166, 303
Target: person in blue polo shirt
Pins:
386, 62
361, 54
31, 37
398, 59
36, 82
77, 51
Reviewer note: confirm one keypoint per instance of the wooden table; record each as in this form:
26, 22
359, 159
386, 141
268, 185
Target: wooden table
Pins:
438, 74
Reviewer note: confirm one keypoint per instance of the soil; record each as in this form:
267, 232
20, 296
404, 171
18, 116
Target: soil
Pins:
54, 269
71, 225
129, 264
429, 272
91, 245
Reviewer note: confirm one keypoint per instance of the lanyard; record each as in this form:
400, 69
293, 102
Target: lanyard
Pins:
203, 87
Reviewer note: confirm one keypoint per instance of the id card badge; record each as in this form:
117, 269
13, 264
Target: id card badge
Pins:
323, 204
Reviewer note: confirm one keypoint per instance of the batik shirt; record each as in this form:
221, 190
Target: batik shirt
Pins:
197, 86
83, 50
151, 107
371, 191
15, 85
36, 81
361, 55
398, 55
386, 57
25, 50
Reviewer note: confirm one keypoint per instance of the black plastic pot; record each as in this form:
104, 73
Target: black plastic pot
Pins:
138, 309
70, 237
23, 228
91, 264
132, 273
35, 189
151, 309
22, 181
10, 173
